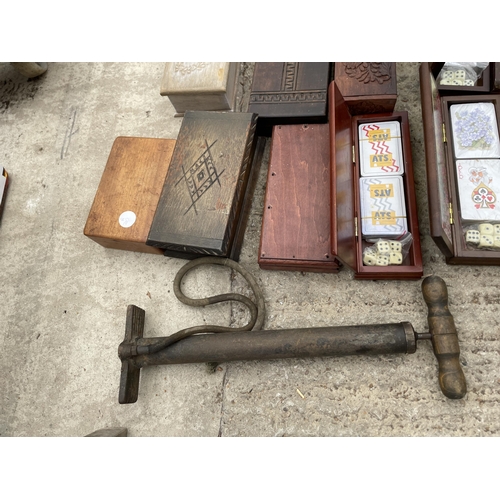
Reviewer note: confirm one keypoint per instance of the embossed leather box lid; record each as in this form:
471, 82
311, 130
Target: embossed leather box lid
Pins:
367, 87
200, 86
289, 92
127, 196
296, 221
204, 190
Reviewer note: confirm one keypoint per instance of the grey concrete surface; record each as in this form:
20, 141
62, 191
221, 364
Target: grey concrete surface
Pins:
63, 297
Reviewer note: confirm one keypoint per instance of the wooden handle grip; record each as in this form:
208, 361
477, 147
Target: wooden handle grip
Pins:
444, 338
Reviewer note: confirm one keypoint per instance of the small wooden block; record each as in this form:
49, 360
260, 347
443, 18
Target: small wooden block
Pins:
199, 210
128, 193
367, 87
296, 221
200, 86
286, 93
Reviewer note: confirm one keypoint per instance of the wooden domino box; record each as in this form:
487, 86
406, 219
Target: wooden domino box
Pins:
200, 86
286, 93
128, 193
207, 190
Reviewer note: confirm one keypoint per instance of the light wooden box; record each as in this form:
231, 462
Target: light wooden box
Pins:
200, 86
130, 188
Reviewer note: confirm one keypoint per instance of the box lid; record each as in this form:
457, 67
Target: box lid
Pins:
202, 196
182, 77
437, 176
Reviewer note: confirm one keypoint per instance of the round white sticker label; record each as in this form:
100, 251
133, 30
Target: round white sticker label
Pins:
127, 219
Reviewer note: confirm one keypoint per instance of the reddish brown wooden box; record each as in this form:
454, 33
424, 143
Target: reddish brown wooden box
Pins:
367, 87
131, 182
445, 222
203, 205
289, 93
347, 243
482, 85
296, 220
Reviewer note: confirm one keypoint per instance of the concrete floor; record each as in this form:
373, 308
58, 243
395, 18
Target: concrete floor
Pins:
64, 297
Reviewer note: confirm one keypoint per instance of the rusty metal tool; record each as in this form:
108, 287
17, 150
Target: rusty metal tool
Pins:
231, 344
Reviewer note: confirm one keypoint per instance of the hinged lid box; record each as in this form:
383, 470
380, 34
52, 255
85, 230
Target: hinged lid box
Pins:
289, 93
295, 232
200, 86
448, 230
347, 241
367, 87
128, 193
201, 207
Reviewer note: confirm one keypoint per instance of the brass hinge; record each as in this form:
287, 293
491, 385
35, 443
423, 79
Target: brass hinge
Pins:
353, 155
451, 214
356, 227
444, 133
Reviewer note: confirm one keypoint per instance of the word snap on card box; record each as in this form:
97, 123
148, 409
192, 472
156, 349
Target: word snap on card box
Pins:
200, 86
461, 140
205, 199
367, 87
128, 193
295, 232
285, 93
372, 215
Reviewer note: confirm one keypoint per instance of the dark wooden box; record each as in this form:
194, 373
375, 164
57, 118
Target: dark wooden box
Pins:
203, 204
367, 87
130, 187
296, 220
347, 243
445, 222
289, 93
4, 184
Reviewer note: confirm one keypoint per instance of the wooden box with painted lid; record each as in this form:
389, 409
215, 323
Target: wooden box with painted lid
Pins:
201, 86
461, 186
349, 244
208, 189
128, 193
295, 232
286, 93
367, 87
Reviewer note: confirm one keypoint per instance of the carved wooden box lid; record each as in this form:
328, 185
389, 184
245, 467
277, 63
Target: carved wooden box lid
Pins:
200, 204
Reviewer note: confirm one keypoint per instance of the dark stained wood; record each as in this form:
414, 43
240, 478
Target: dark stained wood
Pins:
347, 245
495, 77
3, 190
368, 87
203, 194
132, 181
441, 183
296, 220
289, 93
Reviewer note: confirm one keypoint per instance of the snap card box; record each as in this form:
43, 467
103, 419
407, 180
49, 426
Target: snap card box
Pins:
200, 86
295, 232
128, 193
348, 242
204, 202
367, 87
286, 93
447, 175
4, 182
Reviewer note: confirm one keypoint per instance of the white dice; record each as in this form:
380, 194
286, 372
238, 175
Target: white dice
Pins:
486, 229
396, 246
370, 259
395, 258
382, 260
383, 247
485, 241
472, 236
